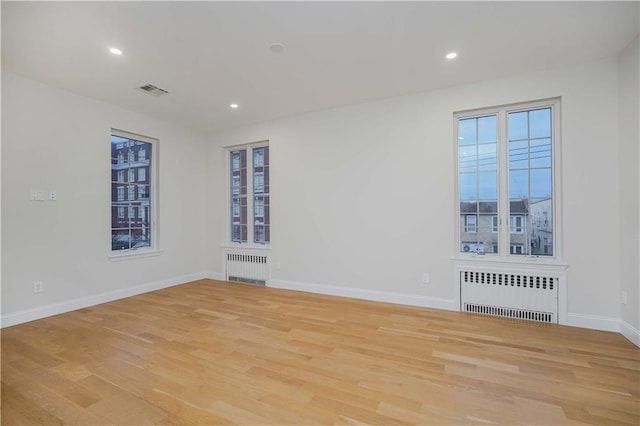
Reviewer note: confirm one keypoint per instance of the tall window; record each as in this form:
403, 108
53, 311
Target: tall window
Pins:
249, 189
135, 230
505, 179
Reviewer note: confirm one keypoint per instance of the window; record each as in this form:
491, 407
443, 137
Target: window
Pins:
235, 185
258, 207
258, 182
249, 187
506, 173
132, 224
258, 158
470, 223
515, 224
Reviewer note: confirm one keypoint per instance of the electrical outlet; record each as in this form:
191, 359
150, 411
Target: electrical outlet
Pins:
53, 195
425, 277
37, 286
278, 265
623, 297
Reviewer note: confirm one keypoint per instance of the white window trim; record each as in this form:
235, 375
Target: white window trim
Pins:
504, 242
250, 244
153, 178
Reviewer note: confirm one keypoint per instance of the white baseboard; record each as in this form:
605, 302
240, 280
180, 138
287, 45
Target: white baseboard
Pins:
27, 315
212, 275
594, 322
630, 332
375, 295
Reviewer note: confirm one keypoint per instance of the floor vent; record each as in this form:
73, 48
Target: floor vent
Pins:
247, 266
523, 296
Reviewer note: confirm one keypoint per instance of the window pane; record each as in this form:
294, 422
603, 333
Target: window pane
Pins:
478, 180
540, 153
468, 159
467, 132
488, 188
542, 227
487, 129
261, 214
518, 126
487, 157
468, 186
120, 239
541, 183
518, 155
540, 123
131, 217
530, 184
239, 219
519, 185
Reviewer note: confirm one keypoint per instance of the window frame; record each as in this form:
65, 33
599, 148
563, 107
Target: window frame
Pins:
152, 191
250, 183
504, 244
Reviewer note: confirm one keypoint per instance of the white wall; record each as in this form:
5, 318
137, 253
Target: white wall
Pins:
629, 112
363, 196
53, 139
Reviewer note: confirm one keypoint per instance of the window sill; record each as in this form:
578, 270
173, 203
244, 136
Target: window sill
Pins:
246, 246
134, 254
524, 262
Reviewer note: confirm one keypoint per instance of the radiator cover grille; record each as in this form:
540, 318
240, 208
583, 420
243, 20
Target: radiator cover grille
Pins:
247, 266
526, 296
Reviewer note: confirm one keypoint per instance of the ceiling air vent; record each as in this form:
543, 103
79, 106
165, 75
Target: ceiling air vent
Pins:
152, 90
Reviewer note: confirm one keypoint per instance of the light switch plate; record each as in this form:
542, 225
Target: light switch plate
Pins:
36, 195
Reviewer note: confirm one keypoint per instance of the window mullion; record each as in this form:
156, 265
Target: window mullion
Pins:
503, 186
250, 195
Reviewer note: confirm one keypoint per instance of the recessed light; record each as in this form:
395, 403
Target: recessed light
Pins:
451, 55
276, 48
234, 106
115, 51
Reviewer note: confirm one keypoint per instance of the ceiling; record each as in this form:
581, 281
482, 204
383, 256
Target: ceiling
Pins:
211, 54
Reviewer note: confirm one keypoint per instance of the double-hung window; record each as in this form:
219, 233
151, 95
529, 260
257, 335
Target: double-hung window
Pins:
132, 155
249, 219
507, 195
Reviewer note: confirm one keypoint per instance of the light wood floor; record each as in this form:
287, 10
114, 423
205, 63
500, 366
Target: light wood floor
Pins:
210, 352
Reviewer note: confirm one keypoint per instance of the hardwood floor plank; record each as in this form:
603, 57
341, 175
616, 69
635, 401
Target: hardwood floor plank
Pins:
211, 352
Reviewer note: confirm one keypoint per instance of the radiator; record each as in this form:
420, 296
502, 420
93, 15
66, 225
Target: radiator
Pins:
247, 266
526, 296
